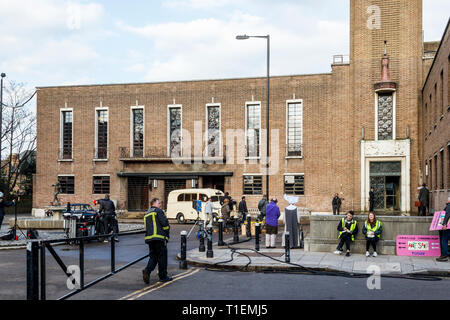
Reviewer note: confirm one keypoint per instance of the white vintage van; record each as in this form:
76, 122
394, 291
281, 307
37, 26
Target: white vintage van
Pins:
179, 203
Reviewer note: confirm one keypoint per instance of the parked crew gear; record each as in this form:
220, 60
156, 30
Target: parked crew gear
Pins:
375, 229
352, 228
4, 204
156, 225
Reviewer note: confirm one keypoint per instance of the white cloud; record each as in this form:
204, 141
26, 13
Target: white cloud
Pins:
207, 48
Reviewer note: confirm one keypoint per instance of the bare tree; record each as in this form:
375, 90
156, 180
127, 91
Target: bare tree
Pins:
18, 135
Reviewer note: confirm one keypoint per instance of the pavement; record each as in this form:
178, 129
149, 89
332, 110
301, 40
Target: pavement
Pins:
243, 256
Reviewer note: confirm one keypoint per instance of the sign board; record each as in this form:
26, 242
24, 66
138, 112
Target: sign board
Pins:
418, 246
438, 220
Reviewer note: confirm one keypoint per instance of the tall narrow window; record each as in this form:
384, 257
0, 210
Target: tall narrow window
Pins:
441, 88
253, 130
67, 119
102, 134
425, 119
385, 116
431, 111
294, 129
436, 184
442, 169
430, 174
213, 119
448, 166
138, 132
175, 131
436, 108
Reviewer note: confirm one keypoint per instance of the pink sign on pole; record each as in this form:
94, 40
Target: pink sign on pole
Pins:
438, 221
418, 246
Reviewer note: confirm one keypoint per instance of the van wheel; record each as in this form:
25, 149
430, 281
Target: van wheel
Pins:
180, 218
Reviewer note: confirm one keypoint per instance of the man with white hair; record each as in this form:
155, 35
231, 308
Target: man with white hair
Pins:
444, 233
3, 204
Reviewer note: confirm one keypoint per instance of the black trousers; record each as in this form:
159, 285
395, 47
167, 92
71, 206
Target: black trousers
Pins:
346, 238
371, 205
336, 210
110, 223
1, 219
158, 256
422, 211
371, 242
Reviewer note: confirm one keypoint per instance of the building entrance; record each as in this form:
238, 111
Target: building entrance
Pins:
385, 178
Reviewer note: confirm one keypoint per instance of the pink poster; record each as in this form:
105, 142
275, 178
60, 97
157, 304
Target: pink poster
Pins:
438, 220
418, 246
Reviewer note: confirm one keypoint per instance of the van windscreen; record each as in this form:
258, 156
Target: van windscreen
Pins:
214, 199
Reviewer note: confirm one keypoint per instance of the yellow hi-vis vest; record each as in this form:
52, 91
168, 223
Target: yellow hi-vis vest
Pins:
153, 229
373, 229
352, 228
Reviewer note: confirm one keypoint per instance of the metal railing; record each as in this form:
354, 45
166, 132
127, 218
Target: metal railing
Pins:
36, 265
148, 152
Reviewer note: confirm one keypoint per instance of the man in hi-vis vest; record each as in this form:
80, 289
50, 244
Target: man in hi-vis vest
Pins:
156, 236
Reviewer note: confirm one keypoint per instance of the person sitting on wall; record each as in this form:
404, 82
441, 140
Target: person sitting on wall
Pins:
347, 231
372, 229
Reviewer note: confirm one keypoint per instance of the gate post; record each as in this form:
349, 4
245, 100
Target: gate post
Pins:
32, 270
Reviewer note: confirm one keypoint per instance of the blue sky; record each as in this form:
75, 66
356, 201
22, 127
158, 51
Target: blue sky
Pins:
58, 42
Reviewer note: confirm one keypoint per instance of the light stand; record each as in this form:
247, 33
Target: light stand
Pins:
15, 227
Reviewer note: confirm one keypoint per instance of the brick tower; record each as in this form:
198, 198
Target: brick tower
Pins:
386, 36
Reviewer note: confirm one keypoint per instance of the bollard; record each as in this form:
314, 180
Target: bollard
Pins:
235, 230
221, 243
249, 226
287, 247
32, 271
257, 231
201, 247
302, 238
183, 262
209, 252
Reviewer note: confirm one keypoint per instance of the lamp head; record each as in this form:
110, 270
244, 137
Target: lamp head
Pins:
242, 37
3, 75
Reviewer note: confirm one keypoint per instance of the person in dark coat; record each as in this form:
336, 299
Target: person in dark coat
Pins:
371, 199
157, 233
243, 209
108, 213
262, 204
348, 229
445, 234
424, 196
3, 204
336, 203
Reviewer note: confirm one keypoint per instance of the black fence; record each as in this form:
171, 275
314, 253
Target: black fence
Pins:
36, 265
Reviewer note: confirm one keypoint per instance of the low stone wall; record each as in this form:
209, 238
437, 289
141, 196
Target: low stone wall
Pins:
323, 234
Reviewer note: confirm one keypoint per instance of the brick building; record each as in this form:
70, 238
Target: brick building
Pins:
339, 132
435, 125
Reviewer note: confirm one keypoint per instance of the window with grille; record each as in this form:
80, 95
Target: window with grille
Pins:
67, 184
294, 185
101, 185
138, 132
213, 147
385, 116
253, 130
252, 184
102, 134
294, 129
175, 131
67, 119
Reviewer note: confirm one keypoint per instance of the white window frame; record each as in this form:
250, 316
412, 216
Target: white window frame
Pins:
61, 143
220, 127
132, 131
247, 103
287, 127
172, 106
394, 116
96, 133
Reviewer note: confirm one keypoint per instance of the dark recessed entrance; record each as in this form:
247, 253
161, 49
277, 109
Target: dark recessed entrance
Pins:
385, 178
137, 193
214, 182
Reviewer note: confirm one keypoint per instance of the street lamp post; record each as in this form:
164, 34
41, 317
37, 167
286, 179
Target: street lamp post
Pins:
245, 37
1, 111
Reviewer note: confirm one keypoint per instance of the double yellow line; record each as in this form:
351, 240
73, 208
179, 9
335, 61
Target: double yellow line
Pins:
139, 293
